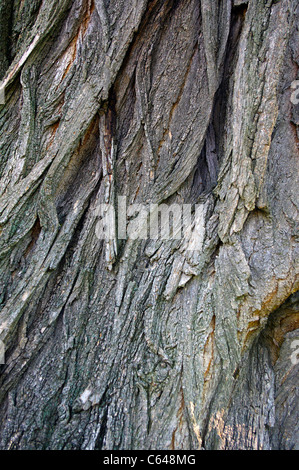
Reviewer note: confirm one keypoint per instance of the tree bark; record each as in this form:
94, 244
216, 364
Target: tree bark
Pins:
144, 344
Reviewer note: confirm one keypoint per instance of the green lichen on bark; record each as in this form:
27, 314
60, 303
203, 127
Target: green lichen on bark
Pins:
142, 344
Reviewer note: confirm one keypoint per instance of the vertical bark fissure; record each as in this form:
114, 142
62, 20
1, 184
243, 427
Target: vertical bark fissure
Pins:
148, 344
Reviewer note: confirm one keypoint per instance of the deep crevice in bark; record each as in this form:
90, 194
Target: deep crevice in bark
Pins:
150, 345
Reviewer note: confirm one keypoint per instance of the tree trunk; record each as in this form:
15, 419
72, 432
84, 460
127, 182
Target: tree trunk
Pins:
145, 343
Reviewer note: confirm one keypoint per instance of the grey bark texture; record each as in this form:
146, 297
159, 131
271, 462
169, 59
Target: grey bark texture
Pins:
143, 344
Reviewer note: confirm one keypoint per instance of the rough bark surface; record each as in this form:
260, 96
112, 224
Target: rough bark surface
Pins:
143, 344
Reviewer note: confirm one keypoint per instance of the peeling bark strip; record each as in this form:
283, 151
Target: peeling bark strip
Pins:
164, 102
108, 150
